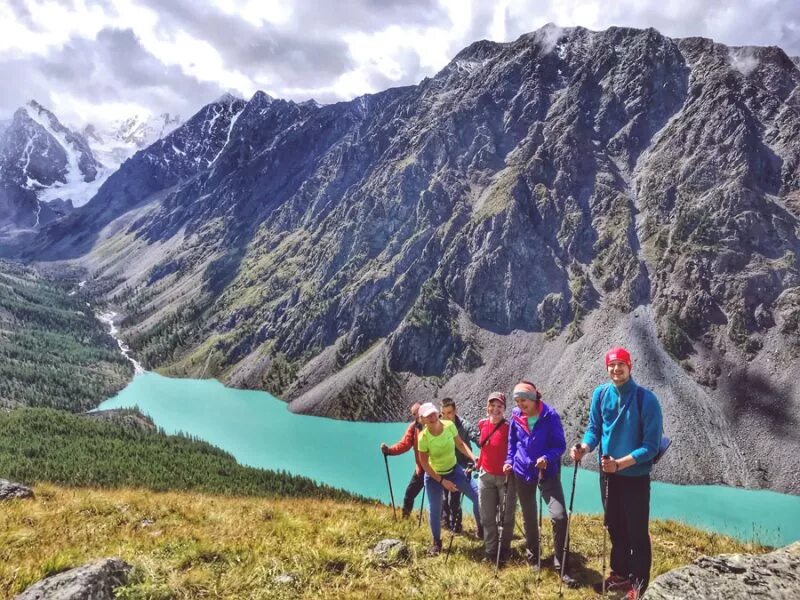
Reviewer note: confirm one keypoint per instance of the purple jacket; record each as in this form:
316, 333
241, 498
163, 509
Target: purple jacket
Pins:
525, 447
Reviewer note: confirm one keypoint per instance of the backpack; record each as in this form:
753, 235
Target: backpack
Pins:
665, 443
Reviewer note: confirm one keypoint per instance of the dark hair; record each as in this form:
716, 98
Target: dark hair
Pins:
448, 402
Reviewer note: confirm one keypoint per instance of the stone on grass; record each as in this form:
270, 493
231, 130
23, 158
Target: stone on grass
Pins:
729, 576
286, 579
93, 581
389, 552
10, 490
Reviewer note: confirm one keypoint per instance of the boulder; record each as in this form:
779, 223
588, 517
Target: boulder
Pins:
775, 575
286, 579
94, 581
389, 552
10, 490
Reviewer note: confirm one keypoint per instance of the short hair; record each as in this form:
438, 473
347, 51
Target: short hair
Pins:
448, 402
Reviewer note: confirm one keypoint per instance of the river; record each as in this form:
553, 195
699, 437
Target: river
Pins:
259, 430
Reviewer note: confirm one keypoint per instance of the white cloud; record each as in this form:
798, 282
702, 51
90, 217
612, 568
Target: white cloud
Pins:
331, 51
743, 61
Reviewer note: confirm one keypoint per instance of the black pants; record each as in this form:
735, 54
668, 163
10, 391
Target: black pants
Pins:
628, 518
412, 491
451, 511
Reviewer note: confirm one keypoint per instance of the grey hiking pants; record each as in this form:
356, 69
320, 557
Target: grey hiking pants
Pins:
553, 495
492, 491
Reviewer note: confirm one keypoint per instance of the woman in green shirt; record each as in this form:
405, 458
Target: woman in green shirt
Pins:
437, 452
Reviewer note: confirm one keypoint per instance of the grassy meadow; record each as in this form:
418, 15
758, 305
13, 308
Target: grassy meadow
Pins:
193, 545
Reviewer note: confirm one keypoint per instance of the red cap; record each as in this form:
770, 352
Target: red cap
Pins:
499, 396
619, 353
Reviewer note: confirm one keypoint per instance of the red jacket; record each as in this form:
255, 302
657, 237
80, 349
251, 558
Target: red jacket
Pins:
406, 443
494, 448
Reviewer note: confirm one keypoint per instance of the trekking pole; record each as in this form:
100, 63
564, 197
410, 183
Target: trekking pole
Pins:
452, 531
389, 478
421, 508
605, 520
541, 506
569, 518
500, 523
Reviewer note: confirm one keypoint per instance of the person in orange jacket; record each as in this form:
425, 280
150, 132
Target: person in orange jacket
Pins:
406, 443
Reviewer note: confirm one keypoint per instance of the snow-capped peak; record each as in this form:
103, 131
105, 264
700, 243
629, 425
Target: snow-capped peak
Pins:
227, 98
122, 139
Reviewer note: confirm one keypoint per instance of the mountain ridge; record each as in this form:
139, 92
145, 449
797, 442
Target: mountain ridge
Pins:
513, 216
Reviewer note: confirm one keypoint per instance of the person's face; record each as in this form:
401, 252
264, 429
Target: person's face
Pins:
415, 414
528, 406
431, 419
619, 372
494, 409
449, 412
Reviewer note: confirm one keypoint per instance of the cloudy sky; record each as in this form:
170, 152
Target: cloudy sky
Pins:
100, 60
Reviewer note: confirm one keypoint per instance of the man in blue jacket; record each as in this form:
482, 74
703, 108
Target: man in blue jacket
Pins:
535, 446
625, 420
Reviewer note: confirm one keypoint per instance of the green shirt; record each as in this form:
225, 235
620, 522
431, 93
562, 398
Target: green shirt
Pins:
532, 422
441, 448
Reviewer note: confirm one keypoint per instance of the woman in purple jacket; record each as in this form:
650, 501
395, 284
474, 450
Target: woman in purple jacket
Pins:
535, 445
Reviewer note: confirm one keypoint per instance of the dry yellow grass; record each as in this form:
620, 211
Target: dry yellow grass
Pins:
186, 545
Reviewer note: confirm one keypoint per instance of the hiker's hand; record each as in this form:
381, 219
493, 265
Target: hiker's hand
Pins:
507, 468
384, 448
541, 463
577, 452
449, 485
609, 465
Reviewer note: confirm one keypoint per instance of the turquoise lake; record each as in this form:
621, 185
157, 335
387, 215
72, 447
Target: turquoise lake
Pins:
260, 431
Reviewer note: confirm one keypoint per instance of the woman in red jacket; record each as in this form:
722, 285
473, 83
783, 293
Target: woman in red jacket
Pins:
495, 495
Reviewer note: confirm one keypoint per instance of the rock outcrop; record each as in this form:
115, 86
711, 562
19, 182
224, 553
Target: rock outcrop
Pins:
11, 491
94, 581
730, 576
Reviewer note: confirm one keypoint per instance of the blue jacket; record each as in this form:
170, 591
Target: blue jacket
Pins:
525, 447
619, 428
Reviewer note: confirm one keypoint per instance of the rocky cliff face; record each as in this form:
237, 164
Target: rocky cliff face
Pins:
532, 204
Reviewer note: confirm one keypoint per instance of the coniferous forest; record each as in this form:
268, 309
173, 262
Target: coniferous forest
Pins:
53, 351
39, 444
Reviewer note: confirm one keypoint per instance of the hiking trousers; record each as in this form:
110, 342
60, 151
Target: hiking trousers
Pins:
553, 495
435, 492
492, 491
628, 515
412, 491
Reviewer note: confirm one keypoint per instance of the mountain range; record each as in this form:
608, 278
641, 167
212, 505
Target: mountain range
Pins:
46, 168
512, 217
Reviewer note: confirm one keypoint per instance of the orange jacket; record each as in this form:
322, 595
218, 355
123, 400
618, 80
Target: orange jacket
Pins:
406, 443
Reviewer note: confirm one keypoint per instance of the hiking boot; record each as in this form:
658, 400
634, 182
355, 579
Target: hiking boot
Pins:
633, 594
614, 583
479, 532
491, 557
569, 581
435, 549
